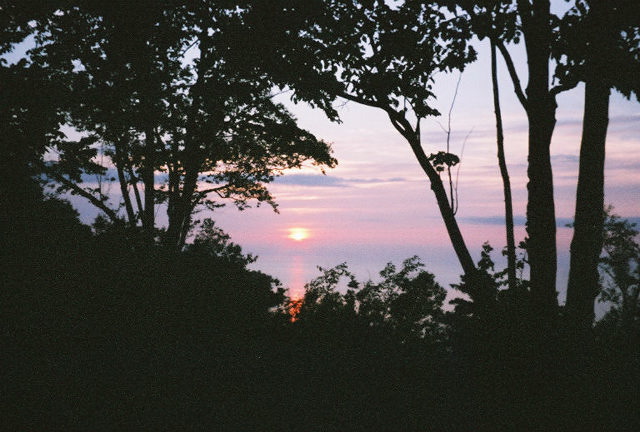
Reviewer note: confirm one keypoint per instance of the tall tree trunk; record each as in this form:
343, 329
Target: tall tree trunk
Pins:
541, 108
179, 216
506, 183
474, 282
475, 285
586, 245
541, 222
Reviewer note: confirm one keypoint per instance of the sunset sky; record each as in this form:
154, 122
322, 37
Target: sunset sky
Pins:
376, 206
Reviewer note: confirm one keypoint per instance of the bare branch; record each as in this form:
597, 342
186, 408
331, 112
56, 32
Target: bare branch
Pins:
453, 192
464, 143
453, 102
273, 95
517, 87
444, 129
82, 192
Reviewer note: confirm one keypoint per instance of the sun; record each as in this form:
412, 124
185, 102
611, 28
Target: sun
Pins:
298, 234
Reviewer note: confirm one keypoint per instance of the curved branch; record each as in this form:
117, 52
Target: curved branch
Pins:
83, 193
360, 100
517, 87
398, 120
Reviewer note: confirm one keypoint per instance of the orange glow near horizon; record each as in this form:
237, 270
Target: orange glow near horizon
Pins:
295, 305
298, 234
296, 288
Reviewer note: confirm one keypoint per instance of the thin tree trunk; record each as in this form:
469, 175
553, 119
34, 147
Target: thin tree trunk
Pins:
148, 178
451, 224
173, 207
180, 208
124, 184
506, 183
178, 216
586, 245
134, 185
186, 227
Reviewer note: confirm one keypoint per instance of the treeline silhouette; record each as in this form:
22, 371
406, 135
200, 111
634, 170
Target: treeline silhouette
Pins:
153, 108
102, 331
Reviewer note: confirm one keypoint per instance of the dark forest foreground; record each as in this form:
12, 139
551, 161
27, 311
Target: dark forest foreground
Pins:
102, 333
152, 111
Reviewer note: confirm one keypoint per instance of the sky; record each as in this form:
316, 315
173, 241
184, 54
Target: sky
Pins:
377, 207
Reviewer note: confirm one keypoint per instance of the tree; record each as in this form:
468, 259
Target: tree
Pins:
620, 271
213, 241
158, 92
29, 116
496, 21
406, 302
494, 36
380, 56
541, 31
602, 49
539, 102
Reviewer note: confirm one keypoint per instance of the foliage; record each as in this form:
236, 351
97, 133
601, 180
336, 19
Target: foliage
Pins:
102, 332
407, 302
496, 296
441, 159
154, 88
98, 334
620, 271
600, 40
213, 241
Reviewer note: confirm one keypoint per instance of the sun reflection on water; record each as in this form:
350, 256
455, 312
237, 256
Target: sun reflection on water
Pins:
296, 287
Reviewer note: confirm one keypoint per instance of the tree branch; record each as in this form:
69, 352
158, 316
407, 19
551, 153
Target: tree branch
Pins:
134, 184
83, 193
517, 87
362, 101
205, 192
563, 87
123, 183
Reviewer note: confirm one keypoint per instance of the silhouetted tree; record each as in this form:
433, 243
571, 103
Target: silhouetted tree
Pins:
157, 92
504, 172
97, 333
383, 57
29, 114
407, 301
537, 26
620, 270
601, 47
370, 355
495, 20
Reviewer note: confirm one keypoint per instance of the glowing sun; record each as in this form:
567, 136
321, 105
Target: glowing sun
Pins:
298, 234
